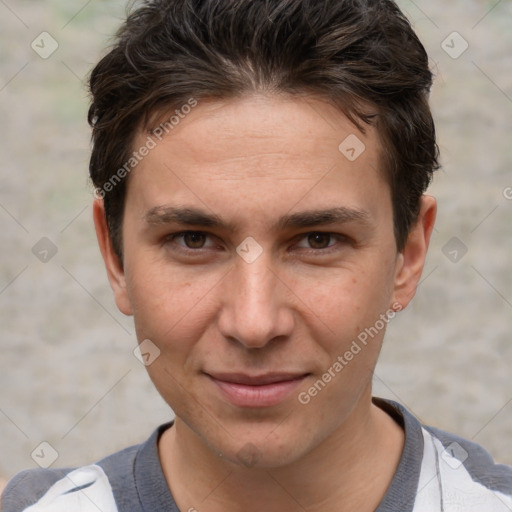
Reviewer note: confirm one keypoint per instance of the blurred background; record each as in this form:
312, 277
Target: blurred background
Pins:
68, 376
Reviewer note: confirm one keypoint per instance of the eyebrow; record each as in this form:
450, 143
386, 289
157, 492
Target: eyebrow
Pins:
195, 217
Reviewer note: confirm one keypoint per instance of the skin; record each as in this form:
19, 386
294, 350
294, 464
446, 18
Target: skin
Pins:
296, 308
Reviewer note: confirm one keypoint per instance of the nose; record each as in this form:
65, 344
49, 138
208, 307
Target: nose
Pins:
256, 305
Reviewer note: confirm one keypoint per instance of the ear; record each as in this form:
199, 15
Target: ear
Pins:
115, 271
411, 260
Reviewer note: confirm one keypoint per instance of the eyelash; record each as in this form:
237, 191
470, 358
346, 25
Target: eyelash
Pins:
329, 249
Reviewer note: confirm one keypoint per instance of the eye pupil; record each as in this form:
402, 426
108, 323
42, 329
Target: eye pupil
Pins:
197, 240
314, 239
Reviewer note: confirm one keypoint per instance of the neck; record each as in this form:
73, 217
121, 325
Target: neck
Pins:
350, 470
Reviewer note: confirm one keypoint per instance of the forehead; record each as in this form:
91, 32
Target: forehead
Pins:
259, 123
259, 149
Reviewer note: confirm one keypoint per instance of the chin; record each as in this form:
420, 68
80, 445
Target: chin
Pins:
261, 455
259, 448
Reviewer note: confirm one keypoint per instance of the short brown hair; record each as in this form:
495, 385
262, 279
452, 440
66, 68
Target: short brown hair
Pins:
354, 53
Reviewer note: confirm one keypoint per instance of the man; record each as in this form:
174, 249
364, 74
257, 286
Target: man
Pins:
260, 170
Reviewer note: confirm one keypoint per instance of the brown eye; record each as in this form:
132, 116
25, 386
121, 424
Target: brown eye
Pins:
194, 240
188, 241
319, 240
319, 243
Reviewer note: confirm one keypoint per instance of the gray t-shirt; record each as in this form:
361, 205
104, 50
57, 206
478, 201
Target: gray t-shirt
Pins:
437, 471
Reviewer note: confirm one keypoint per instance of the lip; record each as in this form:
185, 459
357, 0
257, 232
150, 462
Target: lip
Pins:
256, 391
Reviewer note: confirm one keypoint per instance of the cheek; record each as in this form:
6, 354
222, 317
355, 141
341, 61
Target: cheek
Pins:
168, 305
345, 301
170, 311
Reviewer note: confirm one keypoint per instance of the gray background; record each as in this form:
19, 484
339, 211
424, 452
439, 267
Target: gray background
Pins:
67, 372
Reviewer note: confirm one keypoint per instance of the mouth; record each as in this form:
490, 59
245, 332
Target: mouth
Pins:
266, 390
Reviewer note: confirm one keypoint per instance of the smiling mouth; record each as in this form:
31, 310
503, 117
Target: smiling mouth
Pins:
256, 391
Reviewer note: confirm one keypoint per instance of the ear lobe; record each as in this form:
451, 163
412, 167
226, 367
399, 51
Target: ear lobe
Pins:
114, 267
411, 260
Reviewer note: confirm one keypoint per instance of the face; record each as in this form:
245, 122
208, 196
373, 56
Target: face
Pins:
255, 254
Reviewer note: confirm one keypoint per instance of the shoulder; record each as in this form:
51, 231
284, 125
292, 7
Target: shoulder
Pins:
463, 473
99, 483
25, 488
477, 461
440, 471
